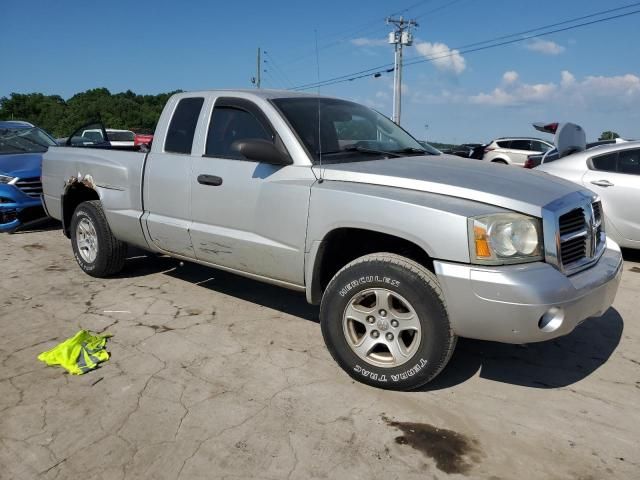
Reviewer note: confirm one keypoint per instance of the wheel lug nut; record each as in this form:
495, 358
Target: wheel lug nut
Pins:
375, 334
394, 323
389, 336
371, 319
383, 313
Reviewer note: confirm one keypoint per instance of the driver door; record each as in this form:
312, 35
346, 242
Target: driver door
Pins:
246, 215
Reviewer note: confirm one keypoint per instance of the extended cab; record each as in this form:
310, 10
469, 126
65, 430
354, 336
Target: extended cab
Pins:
404, 251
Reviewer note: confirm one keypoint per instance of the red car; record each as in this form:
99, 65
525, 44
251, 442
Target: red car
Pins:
142, 138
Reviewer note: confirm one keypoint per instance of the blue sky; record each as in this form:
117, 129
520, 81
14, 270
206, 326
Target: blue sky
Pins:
589, 75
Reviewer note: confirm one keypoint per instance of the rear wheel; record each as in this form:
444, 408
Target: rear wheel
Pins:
97, 251
384, 320
500, 162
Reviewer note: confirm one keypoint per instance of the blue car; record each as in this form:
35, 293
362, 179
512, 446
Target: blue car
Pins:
21, 149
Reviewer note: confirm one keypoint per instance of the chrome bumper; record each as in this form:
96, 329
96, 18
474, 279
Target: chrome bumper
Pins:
527, 303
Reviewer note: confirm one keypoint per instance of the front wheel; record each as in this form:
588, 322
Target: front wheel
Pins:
385, 322
97, 251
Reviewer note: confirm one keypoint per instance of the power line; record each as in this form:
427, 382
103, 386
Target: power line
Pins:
381, 69
280, 73
350, 34
437, 9
551, 26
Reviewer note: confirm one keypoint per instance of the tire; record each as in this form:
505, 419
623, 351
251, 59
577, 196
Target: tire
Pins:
414, 297
97, 251
500, 162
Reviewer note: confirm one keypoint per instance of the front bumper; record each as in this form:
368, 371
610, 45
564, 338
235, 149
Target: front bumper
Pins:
507, 304
16, 207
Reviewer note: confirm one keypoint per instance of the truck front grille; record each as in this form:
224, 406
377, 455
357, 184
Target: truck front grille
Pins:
581, 236
30, 186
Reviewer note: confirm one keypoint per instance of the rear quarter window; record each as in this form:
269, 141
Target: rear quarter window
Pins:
183, 125
605, 163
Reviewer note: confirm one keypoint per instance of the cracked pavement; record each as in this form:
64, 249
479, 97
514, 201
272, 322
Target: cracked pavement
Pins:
215, 376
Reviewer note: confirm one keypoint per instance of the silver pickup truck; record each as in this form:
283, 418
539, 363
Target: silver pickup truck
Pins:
404, 250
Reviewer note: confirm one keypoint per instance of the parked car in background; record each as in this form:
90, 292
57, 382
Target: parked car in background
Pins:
466, 150
552, 155
514, 151
117, 138
143, 139
21, 149
613, 172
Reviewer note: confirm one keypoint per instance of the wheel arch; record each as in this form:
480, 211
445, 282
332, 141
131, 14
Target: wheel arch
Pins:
75, 193
344, 244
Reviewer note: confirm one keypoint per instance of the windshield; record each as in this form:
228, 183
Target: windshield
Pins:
348, 132
24, 140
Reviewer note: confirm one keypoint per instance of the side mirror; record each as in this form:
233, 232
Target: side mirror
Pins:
261, 151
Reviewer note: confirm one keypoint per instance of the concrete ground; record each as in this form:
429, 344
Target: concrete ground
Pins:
214, 376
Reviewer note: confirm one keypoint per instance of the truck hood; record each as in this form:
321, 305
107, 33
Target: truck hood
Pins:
508, 187
21, 165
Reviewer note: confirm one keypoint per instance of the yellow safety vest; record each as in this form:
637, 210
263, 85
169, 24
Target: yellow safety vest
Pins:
78, 354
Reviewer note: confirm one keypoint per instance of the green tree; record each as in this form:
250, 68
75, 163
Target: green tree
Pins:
608, 135
126, 110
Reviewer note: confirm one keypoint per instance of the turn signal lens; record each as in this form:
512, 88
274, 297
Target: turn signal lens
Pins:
482, 243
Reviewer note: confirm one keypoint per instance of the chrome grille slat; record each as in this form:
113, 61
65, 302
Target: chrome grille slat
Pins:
573, 228
31, 187
573, 236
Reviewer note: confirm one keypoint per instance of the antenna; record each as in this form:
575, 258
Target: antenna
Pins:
320, 179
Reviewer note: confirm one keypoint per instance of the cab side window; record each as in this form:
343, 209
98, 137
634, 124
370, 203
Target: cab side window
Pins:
231, 124
605, 163
183, 126
629, 162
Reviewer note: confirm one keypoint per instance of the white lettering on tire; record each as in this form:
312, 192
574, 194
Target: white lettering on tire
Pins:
372, 375
368, 279
381, 377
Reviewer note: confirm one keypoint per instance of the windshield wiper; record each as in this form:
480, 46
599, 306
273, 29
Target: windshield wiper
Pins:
356, 148
419, 151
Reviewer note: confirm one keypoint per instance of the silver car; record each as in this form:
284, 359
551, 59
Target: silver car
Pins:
613, 172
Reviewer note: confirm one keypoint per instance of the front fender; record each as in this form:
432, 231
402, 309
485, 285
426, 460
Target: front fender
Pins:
435, 223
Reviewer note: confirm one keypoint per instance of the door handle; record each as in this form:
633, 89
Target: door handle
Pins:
602, 183
212, 180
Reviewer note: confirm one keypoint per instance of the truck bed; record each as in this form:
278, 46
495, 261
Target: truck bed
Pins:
116, 175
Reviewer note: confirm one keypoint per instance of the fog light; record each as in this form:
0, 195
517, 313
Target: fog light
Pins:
8, 216
551, 320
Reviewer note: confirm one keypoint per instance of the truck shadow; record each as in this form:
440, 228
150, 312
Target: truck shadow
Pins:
43, 224
553, 364
630, 255
140, 263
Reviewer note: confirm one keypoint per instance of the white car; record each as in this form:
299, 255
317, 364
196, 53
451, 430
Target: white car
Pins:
117, 138
613, 172
514, 151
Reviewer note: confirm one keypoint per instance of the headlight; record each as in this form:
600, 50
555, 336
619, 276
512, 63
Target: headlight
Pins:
505, 238
5, 179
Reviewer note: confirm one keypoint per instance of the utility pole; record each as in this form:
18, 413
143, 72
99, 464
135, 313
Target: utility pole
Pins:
256, 80
400, 37
259, 68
